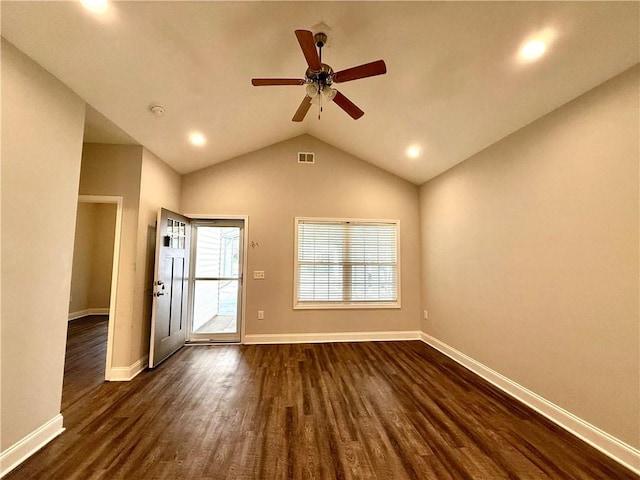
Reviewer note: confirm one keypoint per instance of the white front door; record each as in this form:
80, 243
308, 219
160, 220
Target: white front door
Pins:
170, 286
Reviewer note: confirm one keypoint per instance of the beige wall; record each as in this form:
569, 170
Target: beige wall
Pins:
82, 254
530, 257
146, 183
42, 128
115, 170
102, 258
92, 257
530, 254
160, 187
272, 188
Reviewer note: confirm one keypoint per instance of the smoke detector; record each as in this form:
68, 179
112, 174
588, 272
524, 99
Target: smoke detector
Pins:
157, 110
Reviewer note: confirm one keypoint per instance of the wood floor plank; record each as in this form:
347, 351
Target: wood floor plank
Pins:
361, 411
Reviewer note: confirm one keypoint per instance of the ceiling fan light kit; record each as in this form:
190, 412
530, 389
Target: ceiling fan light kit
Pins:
319, 77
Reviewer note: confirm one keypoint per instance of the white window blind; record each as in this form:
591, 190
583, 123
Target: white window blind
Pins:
346, 263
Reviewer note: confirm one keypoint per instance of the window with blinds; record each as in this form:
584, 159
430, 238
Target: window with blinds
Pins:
346, 263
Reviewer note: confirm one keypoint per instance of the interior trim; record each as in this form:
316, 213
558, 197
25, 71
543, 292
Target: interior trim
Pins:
269, 339
118, 201
23, 449
125, 374
87, 312
245, 252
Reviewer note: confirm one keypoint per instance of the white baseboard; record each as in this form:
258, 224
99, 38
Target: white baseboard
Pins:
23, 449
258, 339
599, 439
124, 374
87, 312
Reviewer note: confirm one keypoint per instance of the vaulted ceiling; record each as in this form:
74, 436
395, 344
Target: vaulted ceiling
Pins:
455, 82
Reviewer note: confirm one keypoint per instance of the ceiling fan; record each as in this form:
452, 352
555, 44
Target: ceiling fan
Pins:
319, 77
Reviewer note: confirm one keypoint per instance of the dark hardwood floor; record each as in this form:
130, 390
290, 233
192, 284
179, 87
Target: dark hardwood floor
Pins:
85, 359
386, 410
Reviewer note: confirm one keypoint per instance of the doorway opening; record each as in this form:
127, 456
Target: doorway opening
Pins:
217, 268
92, 302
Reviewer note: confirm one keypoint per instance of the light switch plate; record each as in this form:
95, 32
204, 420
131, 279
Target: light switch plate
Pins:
258, 274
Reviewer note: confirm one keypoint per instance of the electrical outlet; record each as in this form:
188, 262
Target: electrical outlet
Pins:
258, 274
425, 314
260, 314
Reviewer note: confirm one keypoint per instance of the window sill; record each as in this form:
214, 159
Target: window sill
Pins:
345, 306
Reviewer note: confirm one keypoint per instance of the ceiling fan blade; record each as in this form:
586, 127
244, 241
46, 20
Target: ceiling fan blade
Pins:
264, 82
302, 109
308, 45
348, 106
362, 71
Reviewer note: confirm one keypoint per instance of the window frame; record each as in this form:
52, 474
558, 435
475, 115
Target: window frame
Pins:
332, 305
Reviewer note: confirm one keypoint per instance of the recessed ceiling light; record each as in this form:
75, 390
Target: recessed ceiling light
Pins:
413, 152
536, 44
97, 6
197, 139
533, 50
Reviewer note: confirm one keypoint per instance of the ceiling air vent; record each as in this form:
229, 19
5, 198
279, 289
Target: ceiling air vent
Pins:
306, 157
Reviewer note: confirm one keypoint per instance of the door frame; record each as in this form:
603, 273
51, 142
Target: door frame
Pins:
245, 246
118, 201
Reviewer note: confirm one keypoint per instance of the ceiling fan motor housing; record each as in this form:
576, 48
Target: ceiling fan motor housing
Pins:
323, 78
